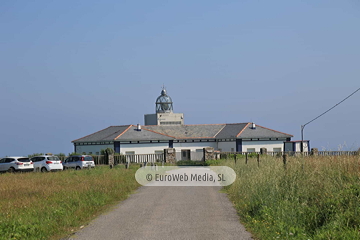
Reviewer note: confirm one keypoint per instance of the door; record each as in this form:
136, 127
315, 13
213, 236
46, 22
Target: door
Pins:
185, 154
35, 161
7, 164
2, 164
72, 161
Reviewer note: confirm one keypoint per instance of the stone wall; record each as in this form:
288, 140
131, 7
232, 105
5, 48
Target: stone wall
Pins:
263, 150
208, 153
170, 155
111, 160
314, 152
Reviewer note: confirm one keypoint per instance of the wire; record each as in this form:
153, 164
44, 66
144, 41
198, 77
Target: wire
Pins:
330, 108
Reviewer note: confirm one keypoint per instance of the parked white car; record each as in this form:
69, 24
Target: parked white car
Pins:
79, 162
16, 164
46, 163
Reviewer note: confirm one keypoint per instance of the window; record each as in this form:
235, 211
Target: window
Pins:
276, 149
130, 153
171, 123
90, 153
97, 153
250, 149
9, 160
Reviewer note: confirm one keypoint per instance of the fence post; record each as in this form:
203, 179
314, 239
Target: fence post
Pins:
284, 160
170, 155
314, 152
235, 157
258, 160
246, 158
208, 153
263, 151
111, 159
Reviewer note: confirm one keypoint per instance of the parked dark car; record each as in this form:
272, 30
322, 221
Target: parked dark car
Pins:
79, 162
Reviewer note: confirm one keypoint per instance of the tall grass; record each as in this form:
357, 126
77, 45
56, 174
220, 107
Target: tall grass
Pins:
313, 198
52, 205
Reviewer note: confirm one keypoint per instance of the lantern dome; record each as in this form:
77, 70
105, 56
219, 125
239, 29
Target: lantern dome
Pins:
164, 103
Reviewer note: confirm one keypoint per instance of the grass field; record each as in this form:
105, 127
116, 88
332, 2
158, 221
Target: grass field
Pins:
52, 205
313, 198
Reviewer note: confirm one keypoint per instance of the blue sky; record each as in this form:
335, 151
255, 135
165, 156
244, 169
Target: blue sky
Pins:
70, 68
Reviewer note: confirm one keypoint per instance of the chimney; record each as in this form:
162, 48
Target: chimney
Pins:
253, 126
138, 127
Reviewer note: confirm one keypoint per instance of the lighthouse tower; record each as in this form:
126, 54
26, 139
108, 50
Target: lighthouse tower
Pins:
164, 115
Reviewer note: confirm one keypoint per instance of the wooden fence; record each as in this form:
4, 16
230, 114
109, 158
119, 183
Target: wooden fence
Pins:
133, 158
294, 154
142, 158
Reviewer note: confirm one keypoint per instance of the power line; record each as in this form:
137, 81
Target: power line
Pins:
331, 107
303, 126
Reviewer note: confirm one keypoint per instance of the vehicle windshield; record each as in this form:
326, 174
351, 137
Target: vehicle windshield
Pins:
54, 158
23, 159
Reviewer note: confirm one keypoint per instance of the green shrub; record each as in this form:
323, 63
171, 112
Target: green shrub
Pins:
191, 163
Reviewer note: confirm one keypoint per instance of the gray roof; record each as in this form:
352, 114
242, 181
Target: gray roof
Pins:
188, 131
133, 135
124, 133
262, 132
231, 130
107, 134
217, 131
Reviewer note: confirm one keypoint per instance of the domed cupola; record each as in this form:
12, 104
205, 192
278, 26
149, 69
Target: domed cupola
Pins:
164, 103
164, 112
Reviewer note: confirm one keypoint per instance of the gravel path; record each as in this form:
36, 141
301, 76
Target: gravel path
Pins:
169, 213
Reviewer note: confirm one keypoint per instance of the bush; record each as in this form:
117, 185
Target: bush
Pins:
74, 153
191, 163
34, 154
252, 155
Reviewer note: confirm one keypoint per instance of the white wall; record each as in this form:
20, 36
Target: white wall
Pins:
92, 148
150, 119
193, 146
143, 148
226, 146
270, 145
150, 148
298, 147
